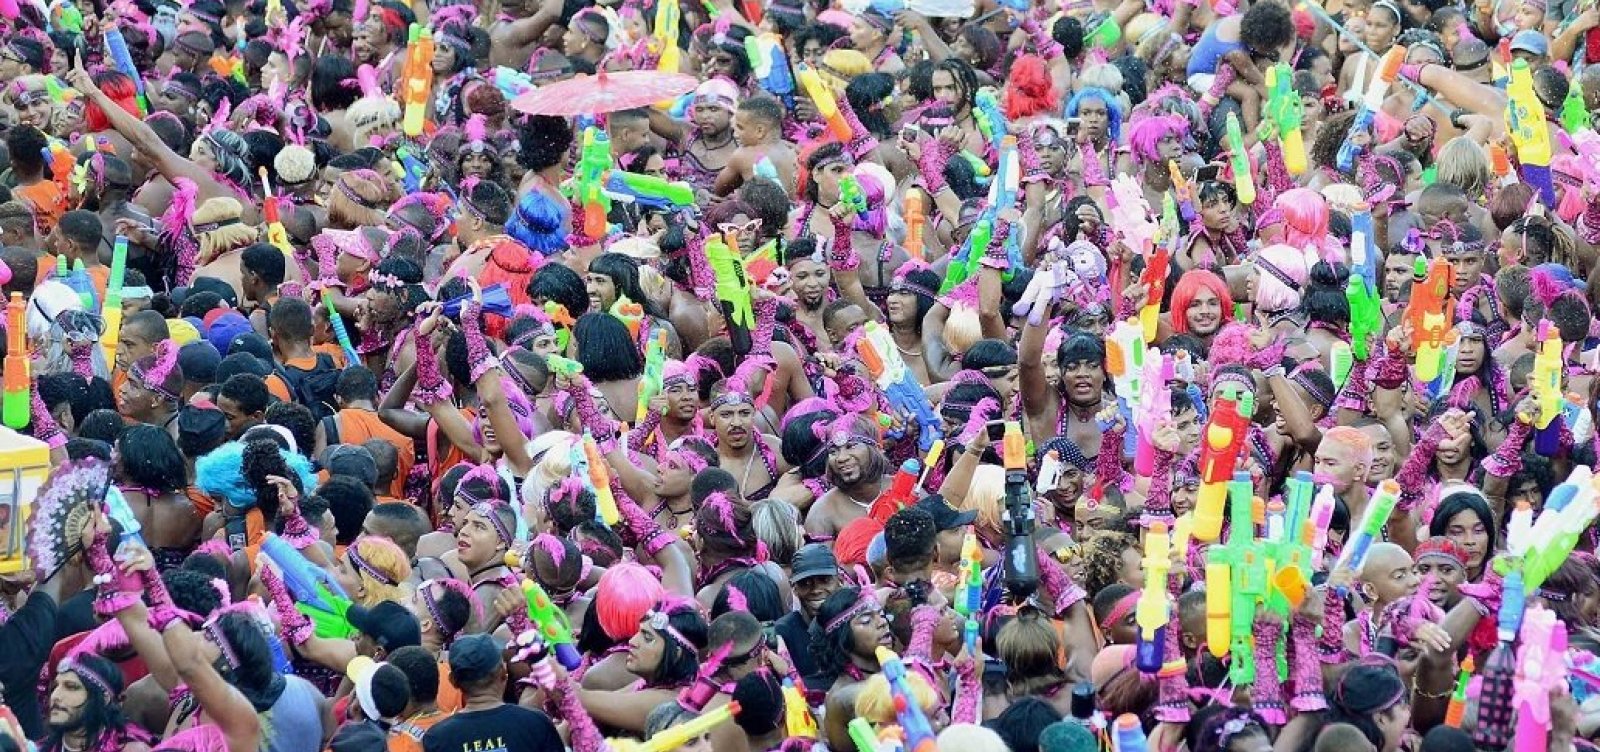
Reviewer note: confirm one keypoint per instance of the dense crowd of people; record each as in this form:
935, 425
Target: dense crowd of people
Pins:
639, 375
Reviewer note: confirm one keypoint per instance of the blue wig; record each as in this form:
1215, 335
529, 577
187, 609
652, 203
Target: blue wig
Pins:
537, 223
220, 474
1113, 109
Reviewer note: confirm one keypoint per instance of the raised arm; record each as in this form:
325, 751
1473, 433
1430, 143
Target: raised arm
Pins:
487, 373
169, 163
223, 705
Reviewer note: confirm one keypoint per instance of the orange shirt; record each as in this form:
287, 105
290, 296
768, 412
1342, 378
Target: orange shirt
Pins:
46, 199
357, 426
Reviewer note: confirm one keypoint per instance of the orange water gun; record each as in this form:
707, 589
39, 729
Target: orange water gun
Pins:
14, 410
1432, 318
600, 478
417, 84
916, 221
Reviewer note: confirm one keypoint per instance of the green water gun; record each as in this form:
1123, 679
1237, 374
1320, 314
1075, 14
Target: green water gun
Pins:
733, 291
563, 366
655, 361
1246, 561
851, 195
1574, 115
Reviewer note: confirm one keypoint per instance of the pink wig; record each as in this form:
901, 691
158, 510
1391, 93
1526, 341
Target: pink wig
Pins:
1284, 270
1144, 137
625, 594
1305, 215
1230, 346
1029, 90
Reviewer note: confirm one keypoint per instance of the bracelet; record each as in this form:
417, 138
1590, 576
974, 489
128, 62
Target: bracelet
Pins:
1417, 691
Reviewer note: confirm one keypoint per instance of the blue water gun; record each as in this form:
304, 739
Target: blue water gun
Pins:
117, 50
771, 66
991, 119
413, 170
1371, 103
310, 584
919, 733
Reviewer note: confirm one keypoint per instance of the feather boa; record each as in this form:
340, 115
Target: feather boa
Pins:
175, 230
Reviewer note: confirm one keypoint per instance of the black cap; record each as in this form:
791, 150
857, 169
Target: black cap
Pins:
473, 658
814, 560
352, 460
362, 736
200, 429
254, 344
944, 516
212, 284
199, 361
389, 624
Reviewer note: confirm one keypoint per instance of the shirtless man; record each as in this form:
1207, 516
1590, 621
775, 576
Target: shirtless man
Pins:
857, 467
751, 457
758, 127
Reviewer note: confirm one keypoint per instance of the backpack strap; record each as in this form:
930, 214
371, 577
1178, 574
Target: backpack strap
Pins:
330, 429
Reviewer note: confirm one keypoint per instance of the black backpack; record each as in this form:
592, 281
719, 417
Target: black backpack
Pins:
313, 388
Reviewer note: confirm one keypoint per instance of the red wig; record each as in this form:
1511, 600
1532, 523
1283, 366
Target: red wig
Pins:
510, 264
1189, 285
1029, 90
120, 89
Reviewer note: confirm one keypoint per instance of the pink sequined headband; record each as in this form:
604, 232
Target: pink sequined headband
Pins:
366, 566
486, 510
868, 602
661, 622
1122, 608
87, 675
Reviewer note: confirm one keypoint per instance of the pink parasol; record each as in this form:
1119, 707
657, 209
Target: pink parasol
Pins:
605, 92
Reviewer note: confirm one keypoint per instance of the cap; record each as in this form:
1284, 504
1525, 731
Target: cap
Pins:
1532, 41
389, 624
1067, 736
382, 689
351, 460
199, 361
944, 516
225, 327
814, 560
223, 290
362, 736
252, 343
473, 658
182, 331
200, 429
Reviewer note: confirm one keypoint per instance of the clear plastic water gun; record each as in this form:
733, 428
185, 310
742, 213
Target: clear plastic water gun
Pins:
1153, 610
1220, 445
827, 105
1244, 182
1322, 508
1366, 311
655, 361
889, 371
1569, 511
1526, 125
1354, 555
1286, 113
1432, 318
1371, 104
117, 50
14, 410
340, 331
919, 733
111, 311
416, 83
674, 737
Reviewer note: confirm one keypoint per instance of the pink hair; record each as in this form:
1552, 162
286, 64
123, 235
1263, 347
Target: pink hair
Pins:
1230, 345
625, 594
1305, 221
1272, 293
1144, 137
552, 546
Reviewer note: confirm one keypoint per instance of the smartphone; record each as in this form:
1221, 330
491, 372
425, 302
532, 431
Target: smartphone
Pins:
910, 134
996, 429
1073, 124
1208, 174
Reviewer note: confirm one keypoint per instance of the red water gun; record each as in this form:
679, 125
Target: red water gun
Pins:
1220, 447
